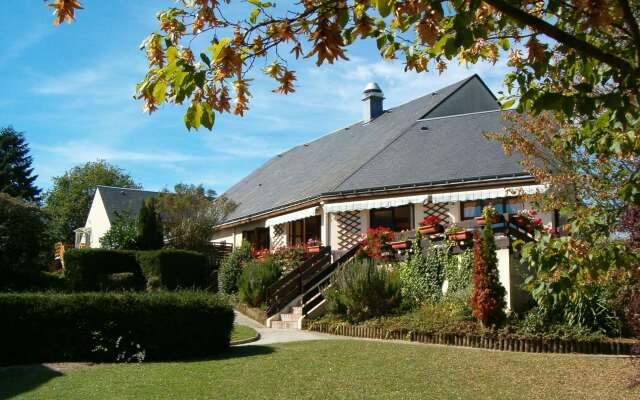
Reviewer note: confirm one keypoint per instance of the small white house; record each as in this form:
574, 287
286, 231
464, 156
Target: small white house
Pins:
108, 202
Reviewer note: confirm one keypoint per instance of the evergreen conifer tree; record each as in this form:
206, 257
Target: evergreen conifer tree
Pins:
150, 230
488, 295
16, 174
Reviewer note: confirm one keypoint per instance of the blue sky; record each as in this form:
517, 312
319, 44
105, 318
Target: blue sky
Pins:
69, 88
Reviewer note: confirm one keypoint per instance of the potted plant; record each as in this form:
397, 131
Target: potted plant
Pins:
313, 246
527, 219
375, 243
401, 241
457, 233
430, 225
488, 212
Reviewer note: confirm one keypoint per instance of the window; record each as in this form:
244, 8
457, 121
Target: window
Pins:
396, 218
302, 230
472, 209
259, 238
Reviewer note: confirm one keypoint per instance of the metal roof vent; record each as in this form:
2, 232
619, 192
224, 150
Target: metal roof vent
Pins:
372, 99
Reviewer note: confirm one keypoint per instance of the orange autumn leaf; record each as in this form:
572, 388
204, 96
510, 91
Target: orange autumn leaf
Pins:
64, 10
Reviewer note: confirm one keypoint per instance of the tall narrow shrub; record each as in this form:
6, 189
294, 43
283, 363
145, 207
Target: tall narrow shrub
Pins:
488, 295
256, 277
231, 268
150, 230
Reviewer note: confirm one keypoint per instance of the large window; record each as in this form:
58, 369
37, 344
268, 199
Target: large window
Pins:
396, 218
302, 230
259, 238
472, 209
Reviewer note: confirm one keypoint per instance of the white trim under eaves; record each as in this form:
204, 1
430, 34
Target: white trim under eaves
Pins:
460, 115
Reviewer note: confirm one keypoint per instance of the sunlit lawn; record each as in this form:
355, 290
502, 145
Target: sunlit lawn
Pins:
241, 332
345, 369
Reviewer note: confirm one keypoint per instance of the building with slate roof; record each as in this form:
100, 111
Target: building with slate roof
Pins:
394, 167
109, 202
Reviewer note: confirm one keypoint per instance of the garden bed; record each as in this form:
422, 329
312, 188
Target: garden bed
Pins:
256, 314
528, 345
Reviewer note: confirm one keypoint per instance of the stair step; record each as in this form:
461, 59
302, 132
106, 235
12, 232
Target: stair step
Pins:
296, 310
289, 317
284, 324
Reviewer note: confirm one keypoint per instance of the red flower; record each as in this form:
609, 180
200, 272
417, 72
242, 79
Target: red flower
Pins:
430, 220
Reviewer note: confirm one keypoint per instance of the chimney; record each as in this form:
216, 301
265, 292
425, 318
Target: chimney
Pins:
372, 102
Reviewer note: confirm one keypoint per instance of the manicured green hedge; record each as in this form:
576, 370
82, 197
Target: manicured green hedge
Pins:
100, 269
41, 327
84, 268
173, 269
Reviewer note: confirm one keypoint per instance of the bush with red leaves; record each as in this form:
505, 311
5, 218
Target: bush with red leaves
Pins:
488, 294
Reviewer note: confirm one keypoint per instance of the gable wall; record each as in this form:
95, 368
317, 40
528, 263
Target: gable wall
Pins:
97, 220
472, 97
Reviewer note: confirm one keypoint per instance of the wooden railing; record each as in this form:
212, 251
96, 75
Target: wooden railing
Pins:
312, 287
290, 286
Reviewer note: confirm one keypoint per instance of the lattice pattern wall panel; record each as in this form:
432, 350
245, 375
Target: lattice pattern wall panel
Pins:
278, 237
439, 209
349, 228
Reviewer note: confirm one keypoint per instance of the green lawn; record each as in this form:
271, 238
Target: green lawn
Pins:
345, 369
241, 332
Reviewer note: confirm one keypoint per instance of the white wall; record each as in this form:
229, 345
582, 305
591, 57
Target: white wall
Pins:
97, 220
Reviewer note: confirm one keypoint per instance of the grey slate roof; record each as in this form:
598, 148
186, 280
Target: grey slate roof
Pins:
390, 150
121, 200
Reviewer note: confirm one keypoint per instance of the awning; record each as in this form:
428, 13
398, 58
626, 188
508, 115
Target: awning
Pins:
486, 194
301, 214
375, 203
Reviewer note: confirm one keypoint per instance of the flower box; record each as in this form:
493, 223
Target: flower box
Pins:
400, 245
431, 229
313, 249
494, 219
521, 221
459, 236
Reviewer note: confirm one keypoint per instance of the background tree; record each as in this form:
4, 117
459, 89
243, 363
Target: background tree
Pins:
69, 201
150, 229
22, 240
16, 174
123, 234
189, 215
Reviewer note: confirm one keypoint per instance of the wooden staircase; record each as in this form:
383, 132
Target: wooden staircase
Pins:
294, 295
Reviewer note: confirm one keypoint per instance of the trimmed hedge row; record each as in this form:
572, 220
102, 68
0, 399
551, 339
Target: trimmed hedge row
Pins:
107, 327
94, 269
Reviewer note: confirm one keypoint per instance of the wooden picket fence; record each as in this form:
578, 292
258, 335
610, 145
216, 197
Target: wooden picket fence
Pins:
613, 347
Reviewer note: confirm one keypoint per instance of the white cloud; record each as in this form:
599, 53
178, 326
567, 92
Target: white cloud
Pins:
78, 152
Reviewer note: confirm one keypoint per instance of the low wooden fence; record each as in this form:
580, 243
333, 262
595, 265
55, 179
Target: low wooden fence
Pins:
614, 347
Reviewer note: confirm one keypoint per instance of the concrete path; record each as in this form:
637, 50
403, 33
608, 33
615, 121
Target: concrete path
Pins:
269, 335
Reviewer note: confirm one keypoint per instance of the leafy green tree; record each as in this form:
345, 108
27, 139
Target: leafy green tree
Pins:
69, 201
16, 174
22, 240
189, 215
123, 234
150, 230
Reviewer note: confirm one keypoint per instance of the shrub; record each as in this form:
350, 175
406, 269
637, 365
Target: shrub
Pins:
120, 281
289, 258
231, 268
256, 278
172, 269
22, 242
123, 234
487, 298
85, 267
45, 327
361, 290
